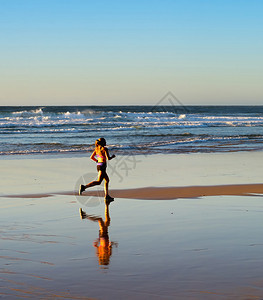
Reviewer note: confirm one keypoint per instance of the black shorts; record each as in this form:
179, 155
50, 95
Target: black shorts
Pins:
101, 168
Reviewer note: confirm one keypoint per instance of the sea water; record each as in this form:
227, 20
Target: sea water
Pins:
130, 129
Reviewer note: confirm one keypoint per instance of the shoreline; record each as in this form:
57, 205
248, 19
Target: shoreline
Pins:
86, 154
161, 193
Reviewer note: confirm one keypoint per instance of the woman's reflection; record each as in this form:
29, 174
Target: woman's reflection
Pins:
103, 244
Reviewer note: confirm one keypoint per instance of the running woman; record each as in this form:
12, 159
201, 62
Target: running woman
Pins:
102, 154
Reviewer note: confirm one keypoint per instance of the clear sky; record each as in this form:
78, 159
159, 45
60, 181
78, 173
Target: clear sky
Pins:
62, 52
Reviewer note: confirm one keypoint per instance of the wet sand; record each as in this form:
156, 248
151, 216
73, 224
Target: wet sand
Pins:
206, 244
169, 193
208, 248
162, 193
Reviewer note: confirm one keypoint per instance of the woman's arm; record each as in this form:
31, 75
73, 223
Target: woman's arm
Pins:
108, 155
93, 156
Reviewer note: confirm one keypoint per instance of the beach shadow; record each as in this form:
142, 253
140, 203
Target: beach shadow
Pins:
103, 246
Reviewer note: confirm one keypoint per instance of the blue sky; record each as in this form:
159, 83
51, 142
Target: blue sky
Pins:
62, 52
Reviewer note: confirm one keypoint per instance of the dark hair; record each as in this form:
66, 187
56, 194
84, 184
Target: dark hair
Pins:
101, 142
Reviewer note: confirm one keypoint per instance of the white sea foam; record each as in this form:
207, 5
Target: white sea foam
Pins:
182, 117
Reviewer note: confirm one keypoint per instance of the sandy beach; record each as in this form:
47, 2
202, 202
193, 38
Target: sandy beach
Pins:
188, 232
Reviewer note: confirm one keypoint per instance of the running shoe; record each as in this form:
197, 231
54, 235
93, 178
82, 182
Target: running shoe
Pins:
81, 189
108, 199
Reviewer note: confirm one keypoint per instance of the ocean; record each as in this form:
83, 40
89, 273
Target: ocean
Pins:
26, 130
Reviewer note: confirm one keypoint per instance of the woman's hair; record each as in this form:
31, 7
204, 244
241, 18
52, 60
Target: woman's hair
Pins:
100, 142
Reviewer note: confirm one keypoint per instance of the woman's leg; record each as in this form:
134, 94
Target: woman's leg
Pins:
95, 182
108, 198
101, 175
106, 184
